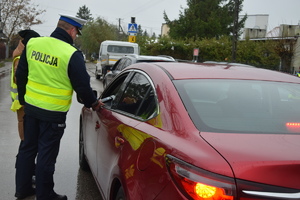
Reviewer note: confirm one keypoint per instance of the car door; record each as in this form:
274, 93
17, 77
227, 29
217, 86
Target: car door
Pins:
118, 141
109, 141
90, 137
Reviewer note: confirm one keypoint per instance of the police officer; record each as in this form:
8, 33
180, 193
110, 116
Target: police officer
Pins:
49, 69
26, 35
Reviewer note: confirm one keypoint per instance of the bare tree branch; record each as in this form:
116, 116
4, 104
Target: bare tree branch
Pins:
17, 15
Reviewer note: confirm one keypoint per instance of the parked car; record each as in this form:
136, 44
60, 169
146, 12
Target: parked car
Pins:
110, 51
127, 60
195, 131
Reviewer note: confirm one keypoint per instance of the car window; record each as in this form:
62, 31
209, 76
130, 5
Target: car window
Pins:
126, 63
116, 64
121, 63
148, 108
138, 98
239, 106
115, 89
119, 49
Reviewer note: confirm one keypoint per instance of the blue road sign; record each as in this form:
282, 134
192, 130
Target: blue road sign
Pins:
132, 28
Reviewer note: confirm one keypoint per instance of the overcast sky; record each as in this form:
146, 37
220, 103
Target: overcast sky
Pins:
149, 13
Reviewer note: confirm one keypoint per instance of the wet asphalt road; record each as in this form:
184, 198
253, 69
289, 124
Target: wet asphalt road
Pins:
68, 178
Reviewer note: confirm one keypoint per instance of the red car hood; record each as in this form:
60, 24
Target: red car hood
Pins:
264, 158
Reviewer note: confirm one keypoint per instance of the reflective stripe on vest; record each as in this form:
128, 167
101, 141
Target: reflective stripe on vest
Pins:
13, 89
48, 85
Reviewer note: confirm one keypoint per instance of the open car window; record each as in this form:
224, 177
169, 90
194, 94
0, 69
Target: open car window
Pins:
115, 89
134, 95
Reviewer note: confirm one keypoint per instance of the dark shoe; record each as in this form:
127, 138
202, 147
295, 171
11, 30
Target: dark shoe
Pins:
28, 194
59, 197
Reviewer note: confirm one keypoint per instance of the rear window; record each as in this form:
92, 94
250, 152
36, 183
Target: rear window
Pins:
242, 106
120, 49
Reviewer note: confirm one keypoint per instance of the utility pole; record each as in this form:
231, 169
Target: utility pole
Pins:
235, 29
120, 27
121, 31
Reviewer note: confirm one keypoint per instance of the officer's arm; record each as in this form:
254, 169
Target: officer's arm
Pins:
22, 76
80, 79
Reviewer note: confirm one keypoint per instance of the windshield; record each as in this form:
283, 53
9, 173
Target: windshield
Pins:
242, 106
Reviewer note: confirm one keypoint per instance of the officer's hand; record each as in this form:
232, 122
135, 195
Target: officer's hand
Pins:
97, 105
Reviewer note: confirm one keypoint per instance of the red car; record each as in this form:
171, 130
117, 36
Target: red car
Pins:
195, 131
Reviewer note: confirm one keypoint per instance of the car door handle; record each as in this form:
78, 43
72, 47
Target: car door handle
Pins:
97, 126
119, 141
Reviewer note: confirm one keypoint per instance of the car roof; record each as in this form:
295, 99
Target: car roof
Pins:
112, 42
141, 58
177, 71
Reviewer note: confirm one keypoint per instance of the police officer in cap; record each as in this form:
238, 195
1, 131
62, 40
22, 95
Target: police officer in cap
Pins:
50, 68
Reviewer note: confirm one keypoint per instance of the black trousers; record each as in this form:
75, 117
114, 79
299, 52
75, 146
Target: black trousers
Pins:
41, 143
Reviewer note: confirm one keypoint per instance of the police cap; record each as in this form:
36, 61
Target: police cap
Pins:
75, 21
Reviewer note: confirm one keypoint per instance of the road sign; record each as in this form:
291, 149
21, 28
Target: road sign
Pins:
196, 52
132, 38
132, 28
133, 34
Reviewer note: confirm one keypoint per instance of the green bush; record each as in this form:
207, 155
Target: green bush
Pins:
257, 53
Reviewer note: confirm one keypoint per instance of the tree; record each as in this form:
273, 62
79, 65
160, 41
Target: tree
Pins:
153, 36
203, 19
140, 30
17, 15
84, 13
95, 32
237, 25
145, 33
257, 53
285, 49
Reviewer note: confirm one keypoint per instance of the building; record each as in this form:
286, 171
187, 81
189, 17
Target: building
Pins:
256, 26
288, 38
165, 29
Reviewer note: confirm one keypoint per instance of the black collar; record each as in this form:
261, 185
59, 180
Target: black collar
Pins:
61, 34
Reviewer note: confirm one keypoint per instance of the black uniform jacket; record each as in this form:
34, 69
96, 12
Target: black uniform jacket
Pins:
78, 75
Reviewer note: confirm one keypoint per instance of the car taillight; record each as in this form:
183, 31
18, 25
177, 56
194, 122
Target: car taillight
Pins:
293, 127
199, 184
293, 124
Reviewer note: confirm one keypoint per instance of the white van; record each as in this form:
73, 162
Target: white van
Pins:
111, 51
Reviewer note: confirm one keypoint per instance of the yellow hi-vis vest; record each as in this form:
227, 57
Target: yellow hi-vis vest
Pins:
13, 89
48, 85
